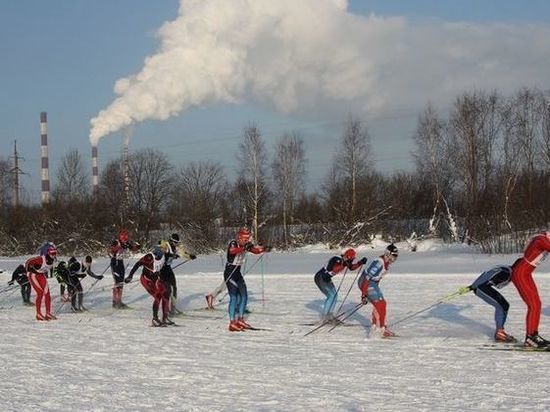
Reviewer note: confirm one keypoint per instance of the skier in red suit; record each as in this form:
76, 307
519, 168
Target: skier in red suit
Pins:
522, 278
150, 279
37, 268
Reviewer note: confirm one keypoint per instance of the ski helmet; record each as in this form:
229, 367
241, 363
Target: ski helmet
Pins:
243, 235
123, 236
175, 238
51, 251
157, 252
43, 249
349, 254
391, 252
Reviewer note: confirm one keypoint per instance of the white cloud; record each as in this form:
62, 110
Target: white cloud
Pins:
304, 56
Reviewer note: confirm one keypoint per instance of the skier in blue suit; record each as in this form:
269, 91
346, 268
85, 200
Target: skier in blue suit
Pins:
485, 287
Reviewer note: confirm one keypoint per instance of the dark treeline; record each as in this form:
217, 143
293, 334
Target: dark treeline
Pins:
482, 175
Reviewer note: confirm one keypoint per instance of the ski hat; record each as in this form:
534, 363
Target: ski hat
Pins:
349, 254
391, 252
123, 235
174, 237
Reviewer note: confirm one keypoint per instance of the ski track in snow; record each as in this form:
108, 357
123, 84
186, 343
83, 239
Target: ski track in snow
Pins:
105, 360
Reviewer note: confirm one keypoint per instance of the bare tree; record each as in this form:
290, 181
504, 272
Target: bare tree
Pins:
72, 180
288, 174
473, 128
252, 159
200, 189
509, 166
528, 121
111, 190
433, 158
353, 161
545, 129
150, 184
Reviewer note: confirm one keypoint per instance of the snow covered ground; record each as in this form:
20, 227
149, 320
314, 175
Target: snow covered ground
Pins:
105, 360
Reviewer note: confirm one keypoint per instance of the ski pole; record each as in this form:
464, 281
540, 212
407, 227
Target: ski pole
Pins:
263, 284
338, 290
327, 321
349, 314
245, 272
444, 299
181, 263
9, 288
350, 287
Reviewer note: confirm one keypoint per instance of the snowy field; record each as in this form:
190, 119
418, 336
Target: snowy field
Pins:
105, 360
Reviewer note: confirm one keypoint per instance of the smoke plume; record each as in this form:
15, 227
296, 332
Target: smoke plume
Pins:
297, 56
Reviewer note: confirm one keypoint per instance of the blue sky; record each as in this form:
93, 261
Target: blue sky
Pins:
64, 58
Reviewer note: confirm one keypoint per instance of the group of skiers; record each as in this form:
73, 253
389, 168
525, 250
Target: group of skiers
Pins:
158, 279
485, 287
521, 275
368, 283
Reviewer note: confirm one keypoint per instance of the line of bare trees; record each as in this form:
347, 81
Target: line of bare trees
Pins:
482, 174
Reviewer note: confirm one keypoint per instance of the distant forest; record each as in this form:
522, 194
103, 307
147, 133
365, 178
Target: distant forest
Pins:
482, 176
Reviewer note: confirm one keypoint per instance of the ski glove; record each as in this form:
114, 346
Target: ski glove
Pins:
364, 299
362, 261
128, 279
463, 290
192, 256
248, 246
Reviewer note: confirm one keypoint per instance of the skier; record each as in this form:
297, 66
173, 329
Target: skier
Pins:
19, 275
233, 278
77, 271
370, 290
522, 278
117, 251
61, 274
37, 267
323, 279
152, 263
167, 274
485, 287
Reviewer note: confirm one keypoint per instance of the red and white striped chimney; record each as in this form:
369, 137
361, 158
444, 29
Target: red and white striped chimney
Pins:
95, 170
44, 158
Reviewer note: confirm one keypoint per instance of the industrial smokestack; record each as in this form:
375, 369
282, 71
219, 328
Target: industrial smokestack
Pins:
95, 170
44, 158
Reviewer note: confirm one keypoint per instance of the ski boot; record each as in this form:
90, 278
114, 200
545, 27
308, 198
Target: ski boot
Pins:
535, 341
502, 336
75, 309
209, 301
50, 316
243, 324
386, 333
234, 326
39, 316
168, 322
157, 323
